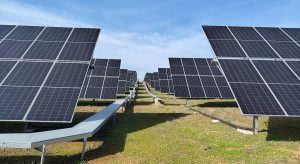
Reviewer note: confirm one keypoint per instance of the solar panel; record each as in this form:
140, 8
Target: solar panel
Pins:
165, 84
36, 83
198, 78
156, 81
266, 80
122, 81
102, 82
130, 80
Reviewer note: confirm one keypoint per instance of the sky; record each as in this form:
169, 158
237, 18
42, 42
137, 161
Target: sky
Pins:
145, 33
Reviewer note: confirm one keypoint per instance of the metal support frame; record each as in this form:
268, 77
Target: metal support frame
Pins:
255, 124
186, 102
83, 148
42, 149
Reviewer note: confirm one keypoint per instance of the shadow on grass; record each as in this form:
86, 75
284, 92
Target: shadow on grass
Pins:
18, 127
218, 104
113, 138
150, 102
283, 129
95, 103
226, 122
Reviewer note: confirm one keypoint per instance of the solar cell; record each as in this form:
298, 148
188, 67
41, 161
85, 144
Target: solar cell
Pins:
245, 33
217, 32
15, 101
84, 35
62, 100
259, 99
111, 82
227, 48
286, 49
258, 49
240, 71
77, 51
225, 92
295, 66
293, 33
44, 50
109, 93
28, 74
58, 34
93, 92
25, 33
67, 75
212, 92
99, 71
181, 91
196, 91
13, 48
112, 71
5, 29
5, 67
275, 72
272, 34
289, 97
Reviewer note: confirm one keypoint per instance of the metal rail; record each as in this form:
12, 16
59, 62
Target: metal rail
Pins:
156, 99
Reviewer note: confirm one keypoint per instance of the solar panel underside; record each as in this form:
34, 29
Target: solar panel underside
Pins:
41, 76
122, 81
165, 80
197, 78
261, 65
102, 81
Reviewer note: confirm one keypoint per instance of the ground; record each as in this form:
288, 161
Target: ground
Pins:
172, 133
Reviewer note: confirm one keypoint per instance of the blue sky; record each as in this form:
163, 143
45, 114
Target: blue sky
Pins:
144, 33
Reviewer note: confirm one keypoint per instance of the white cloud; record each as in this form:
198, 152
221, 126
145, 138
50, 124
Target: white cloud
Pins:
148, 52
138, 51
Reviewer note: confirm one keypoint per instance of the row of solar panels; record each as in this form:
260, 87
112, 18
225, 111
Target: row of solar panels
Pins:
105, 80
43, 69
258, 66
190, 78
161, 81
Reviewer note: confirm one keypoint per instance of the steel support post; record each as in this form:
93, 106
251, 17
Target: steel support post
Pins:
83, 148
255, 124
43, 150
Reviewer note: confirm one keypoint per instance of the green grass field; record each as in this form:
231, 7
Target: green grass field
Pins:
172, 133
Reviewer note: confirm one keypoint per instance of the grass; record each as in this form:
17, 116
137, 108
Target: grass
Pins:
147, 133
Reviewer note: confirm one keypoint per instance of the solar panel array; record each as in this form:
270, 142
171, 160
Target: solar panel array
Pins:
165, 80
156, 81
197, 78
102, 81
131, 79
147, 77
122, 81
261, 65
42, 71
